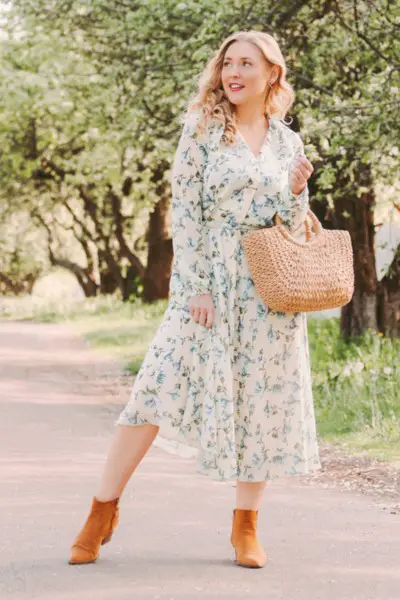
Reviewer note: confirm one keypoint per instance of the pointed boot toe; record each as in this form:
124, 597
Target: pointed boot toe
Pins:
80, 555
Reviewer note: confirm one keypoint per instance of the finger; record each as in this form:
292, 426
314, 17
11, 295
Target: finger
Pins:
210, 318
203, 316
210, 321
196, 313
302, 161
299, 177
300, 168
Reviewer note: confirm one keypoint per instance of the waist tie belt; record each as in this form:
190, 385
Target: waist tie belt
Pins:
241, 227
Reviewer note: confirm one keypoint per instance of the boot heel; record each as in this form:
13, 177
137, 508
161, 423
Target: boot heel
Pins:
106, 539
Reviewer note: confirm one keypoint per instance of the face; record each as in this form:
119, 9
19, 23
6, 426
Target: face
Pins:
245, 73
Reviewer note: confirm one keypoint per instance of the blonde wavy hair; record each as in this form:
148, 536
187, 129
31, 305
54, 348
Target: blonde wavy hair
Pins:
210, 99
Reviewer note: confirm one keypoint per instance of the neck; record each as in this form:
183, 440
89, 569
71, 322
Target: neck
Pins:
249, 114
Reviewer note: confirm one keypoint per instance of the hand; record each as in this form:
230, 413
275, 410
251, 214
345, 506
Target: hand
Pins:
201, 308
302, 171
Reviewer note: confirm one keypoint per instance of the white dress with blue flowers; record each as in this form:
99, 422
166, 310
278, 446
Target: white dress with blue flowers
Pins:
237, 395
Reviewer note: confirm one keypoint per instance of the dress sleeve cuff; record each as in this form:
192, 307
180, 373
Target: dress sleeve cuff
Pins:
194, 289
294, 207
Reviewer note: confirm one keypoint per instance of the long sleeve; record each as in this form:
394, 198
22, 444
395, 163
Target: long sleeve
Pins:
293, 208
190, 257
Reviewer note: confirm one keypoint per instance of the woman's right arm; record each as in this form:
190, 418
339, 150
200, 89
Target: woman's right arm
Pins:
187, 229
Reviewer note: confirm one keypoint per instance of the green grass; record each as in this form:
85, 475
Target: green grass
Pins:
356, 384
356, 389
374, 443
126, 333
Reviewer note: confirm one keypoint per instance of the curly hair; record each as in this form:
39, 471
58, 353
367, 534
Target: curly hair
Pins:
210, 99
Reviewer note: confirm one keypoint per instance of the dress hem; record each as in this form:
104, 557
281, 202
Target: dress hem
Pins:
178, 444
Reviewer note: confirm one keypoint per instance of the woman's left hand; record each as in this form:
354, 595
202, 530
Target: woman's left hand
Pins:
301, 173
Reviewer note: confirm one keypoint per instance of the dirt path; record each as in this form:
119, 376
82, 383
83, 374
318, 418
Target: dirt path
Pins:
58, 404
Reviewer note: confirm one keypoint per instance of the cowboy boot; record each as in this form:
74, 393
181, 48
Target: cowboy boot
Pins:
97, 531
248, 550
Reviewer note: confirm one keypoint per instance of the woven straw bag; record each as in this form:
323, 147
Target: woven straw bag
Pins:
296, 276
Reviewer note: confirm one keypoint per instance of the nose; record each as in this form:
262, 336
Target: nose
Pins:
232, 69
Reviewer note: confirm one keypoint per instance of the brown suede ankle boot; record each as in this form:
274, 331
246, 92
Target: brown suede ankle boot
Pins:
97, 530
248, 550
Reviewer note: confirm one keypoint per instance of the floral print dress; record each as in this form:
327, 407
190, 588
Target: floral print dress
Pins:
238, 395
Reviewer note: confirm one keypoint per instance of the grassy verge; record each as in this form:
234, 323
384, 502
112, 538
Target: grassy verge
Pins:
356, 385
356, 389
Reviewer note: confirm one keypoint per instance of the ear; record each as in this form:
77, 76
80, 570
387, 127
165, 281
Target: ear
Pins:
274, 74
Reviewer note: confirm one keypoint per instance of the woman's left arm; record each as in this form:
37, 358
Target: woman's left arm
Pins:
294, 199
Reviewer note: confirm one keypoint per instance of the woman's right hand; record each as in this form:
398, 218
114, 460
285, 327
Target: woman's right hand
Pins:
201, 308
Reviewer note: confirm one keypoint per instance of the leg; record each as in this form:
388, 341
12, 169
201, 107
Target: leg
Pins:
128, 446
249, 494
248, 550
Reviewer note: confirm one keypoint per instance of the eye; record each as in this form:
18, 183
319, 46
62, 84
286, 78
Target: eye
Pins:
247, 62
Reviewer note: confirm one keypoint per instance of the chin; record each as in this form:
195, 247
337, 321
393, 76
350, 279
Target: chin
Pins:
237, 101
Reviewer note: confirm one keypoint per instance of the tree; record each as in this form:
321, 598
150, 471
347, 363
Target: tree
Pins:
340, 55
71, 170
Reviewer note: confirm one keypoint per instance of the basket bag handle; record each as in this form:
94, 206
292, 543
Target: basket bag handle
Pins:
315, 225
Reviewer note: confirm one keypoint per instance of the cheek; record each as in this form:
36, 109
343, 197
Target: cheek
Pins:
255, 81
224, 77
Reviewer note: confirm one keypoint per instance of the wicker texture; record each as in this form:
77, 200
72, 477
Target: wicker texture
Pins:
296, 276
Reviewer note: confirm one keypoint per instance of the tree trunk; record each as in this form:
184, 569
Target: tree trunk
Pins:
83, 276
132, 282
160, 254
389, 299
108, 283
356, 215
17, 287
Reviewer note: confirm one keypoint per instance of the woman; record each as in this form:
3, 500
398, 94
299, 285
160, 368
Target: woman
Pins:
224, 374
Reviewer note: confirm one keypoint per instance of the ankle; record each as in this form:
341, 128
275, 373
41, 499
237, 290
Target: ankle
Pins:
106, 498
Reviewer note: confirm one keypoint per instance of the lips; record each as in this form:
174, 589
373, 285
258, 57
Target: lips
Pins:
236, 87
